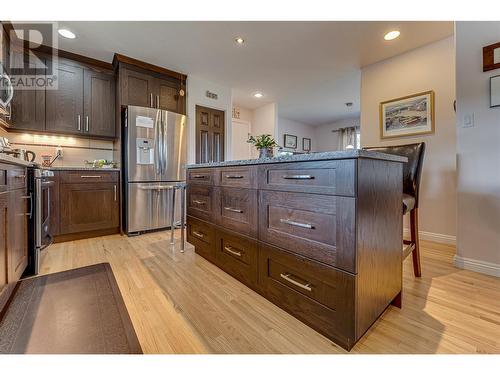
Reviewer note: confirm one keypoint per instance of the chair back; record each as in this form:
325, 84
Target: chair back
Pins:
412, 170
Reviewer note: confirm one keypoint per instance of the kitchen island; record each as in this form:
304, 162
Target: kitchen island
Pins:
319, 235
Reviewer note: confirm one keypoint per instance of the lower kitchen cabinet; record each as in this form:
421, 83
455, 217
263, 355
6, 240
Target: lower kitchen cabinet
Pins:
88, 207
86, 204
4, 274
18, 233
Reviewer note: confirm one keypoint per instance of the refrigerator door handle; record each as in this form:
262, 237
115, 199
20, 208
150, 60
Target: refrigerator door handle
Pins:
157, 144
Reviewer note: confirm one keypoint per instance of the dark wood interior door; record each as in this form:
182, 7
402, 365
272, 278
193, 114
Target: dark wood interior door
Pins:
210, 135
65, 104
99, 100
28, 106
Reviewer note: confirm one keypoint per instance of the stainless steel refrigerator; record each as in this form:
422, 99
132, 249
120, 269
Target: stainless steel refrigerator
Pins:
154, 158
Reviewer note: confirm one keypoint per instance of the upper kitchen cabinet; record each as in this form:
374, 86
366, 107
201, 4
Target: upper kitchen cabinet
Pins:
65, 104
28, 105
145, 85
99, 101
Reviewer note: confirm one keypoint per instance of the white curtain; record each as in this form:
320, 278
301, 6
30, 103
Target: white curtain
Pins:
348, 138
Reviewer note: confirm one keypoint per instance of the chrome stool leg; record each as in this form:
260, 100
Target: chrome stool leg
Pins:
172, 217
183, 214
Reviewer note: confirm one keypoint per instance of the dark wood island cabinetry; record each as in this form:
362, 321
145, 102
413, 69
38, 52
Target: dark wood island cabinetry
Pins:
319, 235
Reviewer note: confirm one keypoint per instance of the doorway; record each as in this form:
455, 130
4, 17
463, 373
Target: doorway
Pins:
210, 135
240, 131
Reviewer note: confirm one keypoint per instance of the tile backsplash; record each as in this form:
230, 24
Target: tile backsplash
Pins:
75, 150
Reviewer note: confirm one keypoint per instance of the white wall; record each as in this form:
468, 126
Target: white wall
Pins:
326, 140
430, 67
478, 152
264, 121
196, 90
299, 129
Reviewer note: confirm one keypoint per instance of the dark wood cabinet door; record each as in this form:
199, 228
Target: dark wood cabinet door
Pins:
18, 234
28, 106
98, 106
64, 105
3, 245
86, 207
167, 95
209, 135
137, 88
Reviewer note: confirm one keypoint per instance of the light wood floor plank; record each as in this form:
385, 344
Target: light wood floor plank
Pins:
180, 303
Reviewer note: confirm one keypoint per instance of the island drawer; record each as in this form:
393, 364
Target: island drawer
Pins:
202, 236
244, 177
200, 201
238, 256
316, 294
320, 227
201, 176
237, 210
82, 177
332, 177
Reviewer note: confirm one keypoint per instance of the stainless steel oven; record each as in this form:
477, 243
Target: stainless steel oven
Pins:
41, 189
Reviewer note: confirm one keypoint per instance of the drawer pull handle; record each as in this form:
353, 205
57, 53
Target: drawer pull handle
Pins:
90, 176
229, 249
287, 277
20, 176
234, 177
200, 177
299, 177
198, 202
297, 224
198, 234
233, 210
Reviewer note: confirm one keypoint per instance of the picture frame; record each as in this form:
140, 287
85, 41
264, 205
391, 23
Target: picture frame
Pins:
409, 115
290, 141
495, 91
306, 144
491, 57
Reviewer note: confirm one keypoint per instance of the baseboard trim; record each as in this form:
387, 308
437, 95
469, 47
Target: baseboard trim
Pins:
480, 266
435, 237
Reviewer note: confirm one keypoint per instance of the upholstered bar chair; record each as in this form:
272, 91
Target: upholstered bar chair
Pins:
412, 172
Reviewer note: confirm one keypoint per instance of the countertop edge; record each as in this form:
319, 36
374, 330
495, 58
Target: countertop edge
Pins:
4, 158
320, 156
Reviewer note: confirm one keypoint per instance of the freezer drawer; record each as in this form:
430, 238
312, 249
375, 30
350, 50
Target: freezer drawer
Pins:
150, 206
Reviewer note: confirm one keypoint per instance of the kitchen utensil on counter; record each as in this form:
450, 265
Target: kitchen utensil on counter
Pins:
46, 160
23, 154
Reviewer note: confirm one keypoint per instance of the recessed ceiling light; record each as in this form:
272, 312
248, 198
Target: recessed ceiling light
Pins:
392, 35
239, 40
258, 95
66, 33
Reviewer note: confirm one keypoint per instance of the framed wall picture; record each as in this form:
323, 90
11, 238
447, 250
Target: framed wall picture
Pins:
495, 91
290, 141
409, 115
491, 57
306, 144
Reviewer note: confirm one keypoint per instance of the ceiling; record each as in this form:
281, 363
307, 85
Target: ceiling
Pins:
311, 69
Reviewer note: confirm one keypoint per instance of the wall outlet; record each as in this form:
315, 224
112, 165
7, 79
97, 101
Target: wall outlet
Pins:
468, 120
59, 152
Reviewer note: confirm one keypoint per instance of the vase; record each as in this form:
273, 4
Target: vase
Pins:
265, 153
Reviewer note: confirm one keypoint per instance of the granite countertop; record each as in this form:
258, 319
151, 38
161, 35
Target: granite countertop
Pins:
315, 156
83, 169
16, 161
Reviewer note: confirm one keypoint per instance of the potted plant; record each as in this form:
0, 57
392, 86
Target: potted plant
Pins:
264, 143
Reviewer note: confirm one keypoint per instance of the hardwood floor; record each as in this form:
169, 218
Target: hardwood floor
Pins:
180, 303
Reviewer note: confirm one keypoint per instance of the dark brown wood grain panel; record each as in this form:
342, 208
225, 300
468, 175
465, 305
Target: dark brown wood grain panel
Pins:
237, 255
200, 202
16, 177
310, 225
210, 135
335, 177
119, 58
98, 106
87, 207
244, 177
136, 88
201, 235
316, 294
4, 239
18, 233
379, 239
236, 209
